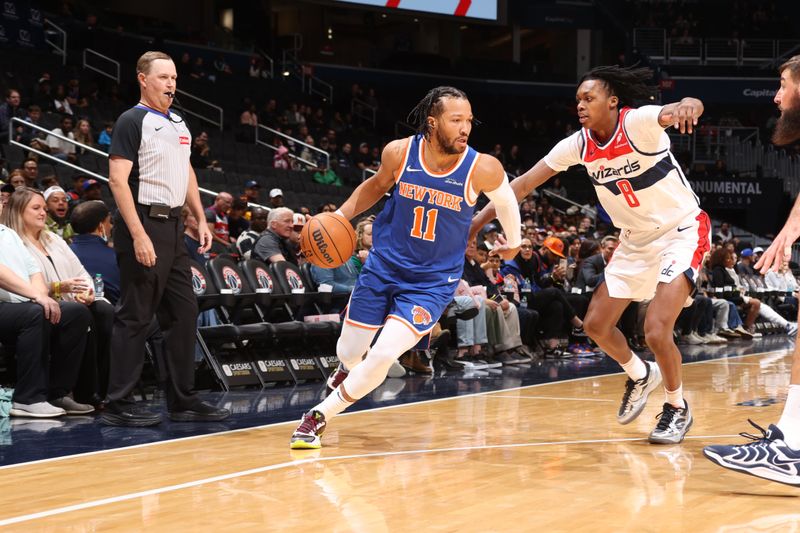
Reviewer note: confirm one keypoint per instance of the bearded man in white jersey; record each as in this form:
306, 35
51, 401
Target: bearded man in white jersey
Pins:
775, 454
664, 233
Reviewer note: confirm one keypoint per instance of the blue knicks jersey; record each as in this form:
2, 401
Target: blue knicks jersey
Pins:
421, 234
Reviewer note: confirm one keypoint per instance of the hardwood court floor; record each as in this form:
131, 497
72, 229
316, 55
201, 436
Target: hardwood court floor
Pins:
549, 457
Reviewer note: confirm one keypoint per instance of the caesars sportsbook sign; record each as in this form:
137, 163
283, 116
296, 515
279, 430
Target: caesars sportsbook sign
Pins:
478, 9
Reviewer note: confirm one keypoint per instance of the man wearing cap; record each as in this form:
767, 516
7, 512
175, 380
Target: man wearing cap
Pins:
489, 235
252, 190
57, 204
745, 265
92, 190
274, 244
276, 198
757, 251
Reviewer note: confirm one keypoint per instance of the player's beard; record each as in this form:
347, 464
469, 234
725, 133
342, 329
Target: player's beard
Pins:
447, 146
787, 129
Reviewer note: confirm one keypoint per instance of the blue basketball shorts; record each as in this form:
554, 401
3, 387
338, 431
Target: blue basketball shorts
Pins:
379, 295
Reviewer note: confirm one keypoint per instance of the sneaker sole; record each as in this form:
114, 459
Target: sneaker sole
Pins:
646, 395
28, 414
656, 440
189, 417
113, 420
300, 444
793, 481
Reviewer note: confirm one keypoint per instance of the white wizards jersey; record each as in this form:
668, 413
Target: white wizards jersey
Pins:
636, 177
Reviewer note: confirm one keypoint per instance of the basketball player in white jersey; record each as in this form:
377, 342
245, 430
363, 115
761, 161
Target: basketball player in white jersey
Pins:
775, 454
665, 234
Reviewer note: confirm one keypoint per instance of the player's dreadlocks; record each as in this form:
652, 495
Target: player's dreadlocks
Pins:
431, 106
627, 84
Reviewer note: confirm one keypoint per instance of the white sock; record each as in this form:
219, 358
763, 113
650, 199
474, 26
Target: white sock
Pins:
635, 368
675, 397
789, 423
334, 404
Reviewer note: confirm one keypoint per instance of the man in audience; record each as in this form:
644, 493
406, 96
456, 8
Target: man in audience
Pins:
246, 241
92, 224
31, 136
30, 169
252, 190
60, 148
725, 232
92, 190
57, 205
275, 198
274, 244
217, 217
745, 265
592, 267
237, 223
9, 109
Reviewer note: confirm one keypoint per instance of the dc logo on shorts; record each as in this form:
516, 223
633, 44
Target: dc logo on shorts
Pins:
420, 316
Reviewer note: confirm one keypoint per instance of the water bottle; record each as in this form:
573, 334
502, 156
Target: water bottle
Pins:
98, 285
508, 284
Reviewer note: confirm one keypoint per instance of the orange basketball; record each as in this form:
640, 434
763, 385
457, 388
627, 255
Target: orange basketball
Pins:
327, 240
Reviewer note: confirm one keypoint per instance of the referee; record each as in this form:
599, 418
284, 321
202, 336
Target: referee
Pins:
151, 179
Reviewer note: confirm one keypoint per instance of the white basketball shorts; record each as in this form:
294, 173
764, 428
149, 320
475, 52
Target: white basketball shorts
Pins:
644, 259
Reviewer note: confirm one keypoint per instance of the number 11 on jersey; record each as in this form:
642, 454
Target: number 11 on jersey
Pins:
430, 225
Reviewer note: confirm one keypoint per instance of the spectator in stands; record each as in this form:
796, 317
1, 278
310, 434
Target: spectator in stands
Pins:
59, 148
341, 279
497, 152
725, 232
248, 238
269, 115
17, 178
5, 192
237, 223
191, 235
8, 110
556, 187
61, 102
721, 264
30, 169
198, 69
293, 116
326, 175
307, 153
274, 244
489, 235
56, 202
64, 322
515, 165
92, 224
592, 268
248, 122
91, 190
345, 157
221, 66
375, 155
31, 136
217, 218
252, 191
281, 158
363, 242
84, 135
201, 153
104, 140
74, 194
363, 159
48, 181
275, 198
785, 283
745, 265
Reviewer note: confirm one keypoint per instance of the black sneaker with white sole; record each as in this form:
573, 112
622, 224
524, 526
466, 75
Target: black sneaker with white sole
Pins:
636, 392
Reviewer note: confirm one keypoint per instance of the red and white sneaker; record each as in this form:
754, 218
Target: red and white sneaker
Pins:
307, 435
336, 378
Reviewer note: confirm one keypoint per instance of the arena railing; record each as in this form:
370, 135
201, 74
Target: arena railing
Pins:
52, 29
208, 118
274, 132
115, 75
365, 110
15, 122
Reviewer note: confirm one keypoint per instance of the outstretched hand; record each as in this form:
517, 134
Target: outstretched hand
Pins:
781, 248
683, 116
501, 249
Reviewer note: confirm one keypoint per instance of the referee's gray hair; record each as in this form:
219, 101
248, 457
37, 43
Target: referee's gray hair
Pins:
275, 213
147, 58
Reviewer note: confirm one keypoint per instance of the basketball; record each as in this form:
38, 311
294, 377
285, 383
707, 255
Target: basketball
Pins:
327, 240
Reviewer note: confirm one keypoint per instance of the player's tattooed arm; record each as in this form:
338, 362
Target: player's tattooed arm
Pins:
372, 189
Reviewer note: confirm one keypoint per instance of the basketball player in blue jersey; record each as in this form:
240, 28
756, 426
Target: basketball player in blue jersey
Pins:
419, 240
775, 454
664, 235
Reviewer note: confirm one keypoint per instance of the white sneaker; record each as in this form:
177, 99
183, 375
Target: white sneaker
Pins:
791, 329
396, 370
710, 338
692, 338
36, 410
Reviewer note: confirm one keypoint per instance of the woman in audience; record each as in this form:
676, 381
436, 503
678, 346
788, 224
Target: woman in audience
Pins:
83, 134
68, 281
363, 242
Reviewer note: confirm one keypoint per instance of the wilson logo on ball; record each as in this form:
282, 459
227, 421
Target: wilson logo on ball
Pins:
322, 246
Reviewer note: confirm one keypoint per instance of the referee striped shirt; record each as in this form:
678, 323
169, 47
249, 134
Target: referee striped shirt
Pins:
159, 145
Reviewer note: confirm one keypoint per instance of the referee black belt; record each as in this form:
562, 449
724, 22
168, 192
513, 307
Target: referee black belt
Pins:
159, 211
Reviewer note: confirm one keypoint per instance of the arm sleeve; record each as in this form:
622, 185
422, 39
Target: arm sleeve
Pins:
127, 136
505, 203
565, 154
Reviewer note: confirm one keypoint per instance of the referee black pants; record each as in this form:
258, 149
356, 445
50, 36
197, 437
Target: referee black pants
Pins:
164, 291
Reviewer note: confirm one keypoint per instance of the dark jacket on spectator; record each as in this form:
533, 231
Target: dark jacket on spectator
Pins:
97, 258
721, 278
474, 276
591, 272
